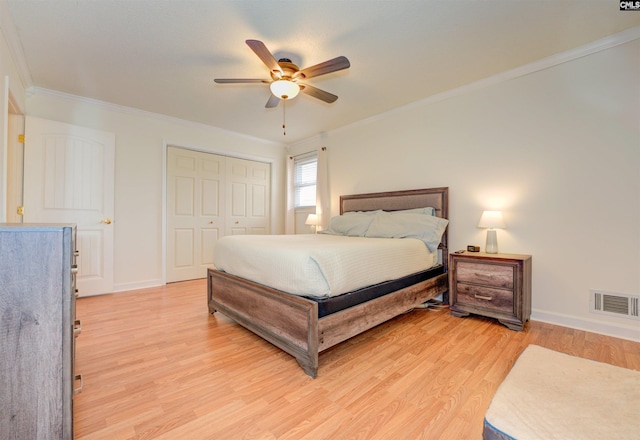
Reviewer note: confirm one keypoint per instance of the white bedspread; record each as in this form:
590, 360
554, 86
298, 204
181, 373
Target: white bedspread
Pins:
320, 265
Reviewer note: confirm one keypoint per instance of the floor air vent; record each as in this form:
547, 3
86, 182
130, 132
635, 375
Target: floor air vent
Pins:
615, 304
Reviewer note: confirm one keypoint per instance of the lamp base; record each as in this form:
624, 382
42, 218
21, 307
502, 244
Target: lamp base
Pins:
492, 242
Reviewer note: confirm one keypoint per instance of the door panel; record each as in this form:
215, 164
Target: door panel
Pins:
184, 196
184, 248
69, 178
209, 238
249, 204
238, 199
258, 201
195, 202
210, 197
90, 245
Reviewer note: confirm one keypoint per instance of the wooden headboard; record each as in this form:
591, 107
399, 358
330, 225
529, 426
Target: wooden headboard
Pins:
437, 198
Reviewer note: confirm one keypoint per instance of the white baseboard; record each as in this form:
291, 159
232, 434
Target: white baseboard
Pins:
630, 332
137, 285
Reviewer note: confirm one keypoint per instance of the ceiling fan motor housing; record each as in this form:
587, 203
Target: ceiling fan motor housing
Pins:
288, 70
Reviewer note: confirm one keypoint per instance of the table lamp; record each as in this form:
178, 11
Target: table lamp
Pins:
312, 220
491, 220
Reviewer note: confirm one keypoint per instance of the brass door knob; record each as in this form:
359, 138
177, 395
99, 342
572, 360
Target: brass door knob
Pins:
106, 221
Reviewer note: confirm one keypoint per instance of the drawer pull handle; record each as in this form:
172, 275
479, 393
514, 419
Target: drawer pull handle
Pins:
79, 389
77, 327
485, 297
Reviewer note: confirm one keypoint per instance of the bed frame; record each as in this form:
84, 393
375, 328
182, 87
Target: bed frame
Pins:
291, 322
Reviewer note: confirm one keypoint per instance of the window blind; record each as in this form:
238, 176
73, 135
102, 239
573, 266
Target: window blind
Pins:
306, 173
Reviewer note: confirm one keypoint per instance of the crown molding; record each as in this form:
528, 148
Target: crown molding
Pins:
605, 43
35, 91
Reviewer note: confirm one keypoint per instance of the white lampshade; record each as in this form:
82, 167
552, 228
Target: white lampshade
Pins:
312, 220
491, 220
285, 89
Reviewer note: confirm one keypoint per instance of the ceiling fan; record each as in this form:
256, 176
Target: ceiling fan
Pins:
285, 76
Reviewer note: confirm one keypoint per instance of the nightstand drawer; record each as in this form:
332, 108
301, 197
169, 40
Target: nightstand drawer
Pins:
494, 275
495, 299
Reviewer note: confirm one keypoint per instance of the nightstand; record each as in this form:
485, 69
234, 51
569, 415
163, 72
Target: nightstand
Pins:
493, 285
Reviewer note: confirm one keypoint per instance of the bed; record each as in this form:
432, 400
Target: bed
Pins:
305, 326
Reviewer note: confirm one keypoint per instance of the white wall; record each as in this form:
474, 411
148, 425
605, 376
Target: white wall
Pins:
558, 151
140, 145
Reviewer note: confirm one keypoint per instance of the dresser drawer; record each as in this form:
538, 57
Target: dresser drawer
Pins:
487, 297
494, 275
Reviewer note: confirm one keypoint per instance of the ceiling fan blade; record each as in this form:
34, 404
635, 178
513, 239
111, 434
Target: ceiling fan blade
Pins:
272, 102
333, 65
317, 93
263, 53
240, 80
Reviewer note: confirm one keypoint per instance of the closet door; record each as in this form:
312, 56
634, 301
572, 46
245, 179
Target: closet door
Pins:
195, 211
249, 197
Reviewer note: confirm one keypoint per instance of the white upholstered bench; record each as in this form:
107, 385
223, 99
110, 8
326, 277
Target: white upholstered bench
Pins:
552, 395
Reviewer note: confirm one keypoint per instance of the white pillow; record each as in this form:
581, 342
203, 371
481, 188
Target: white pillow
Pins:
428, 211
352, 224
427, 228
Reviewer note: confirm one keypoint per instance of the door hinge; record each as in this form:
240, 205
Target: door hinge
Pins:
21, 138
20, 210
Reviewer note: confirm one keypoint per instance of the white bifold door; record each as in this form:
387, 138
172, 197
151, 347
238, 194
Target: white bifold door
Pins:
69, 178
209, 196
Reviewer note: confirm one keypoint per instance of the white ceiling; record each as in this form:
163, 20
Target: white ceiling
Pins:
161, 56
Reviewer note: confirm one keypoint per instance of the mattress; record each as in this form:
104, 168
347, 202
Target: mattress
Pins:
320, 266
552, 395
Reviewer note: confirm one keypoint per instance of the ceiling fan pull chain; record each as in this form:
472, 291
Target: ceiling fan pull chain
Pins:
284, 117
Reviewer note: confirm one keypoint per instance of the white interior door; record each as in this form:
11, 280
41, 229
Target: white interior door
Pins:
248, 204
195, 211
69, 178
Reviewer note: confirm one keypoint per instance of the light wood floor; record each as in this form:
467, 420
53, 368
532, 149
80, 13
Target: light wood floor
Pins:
156, 365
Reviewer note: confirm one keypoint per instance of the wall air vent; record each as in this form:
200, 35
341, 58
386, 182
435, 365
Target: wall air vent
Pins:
614, 304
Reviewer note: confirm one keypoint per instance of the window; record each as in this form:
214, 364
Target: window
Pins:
304, 181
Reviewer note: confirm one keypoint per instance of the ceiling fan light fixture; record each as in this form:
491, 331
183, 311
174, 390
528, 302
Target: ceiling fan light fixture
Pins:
284, 89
